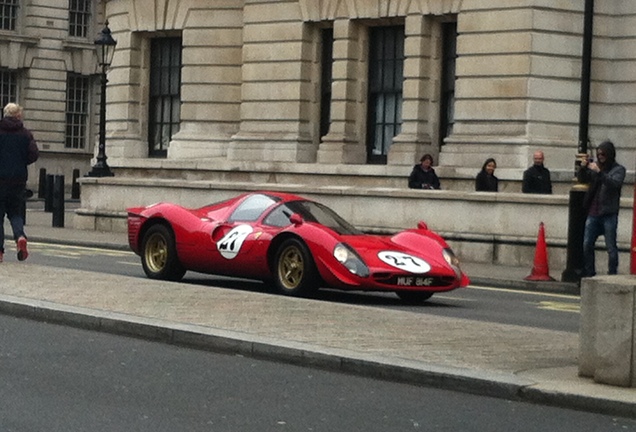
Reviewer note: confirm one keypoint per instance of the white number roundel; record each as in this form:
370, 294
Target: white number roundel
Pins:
230, 245
405, 262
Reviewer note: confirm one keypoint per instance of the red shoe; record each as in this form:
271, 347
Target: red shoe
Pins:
1, 257
22, 249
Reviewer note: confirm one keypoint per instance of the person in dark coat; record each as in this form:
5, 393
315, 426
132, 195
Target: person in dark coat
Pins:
423, 175
486, 180
536, 179
601, 202
17, 150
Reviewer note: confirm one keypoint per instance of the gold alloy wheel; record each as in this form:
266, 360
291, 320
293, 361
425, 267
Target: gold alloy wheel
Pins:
291, 267
156, 253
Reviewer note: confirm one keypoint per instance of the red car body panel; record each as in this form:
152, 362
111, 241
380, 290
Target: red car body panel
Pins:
208, 240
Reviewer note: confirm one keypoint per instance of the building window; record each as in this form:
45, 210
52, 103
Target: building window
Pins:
8, 14
447, 98
326, 80
77, 103
165, 94
79, 17
386, 78
8, 87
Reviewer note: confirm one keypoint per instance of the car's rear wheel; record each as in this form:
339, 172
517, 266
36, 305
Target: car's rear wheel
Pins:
414, 297
295, 272
159, 254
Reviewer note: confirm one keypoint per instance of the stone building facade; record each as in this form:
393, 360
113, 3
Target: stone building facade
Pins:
48, 65
335, 99
360, 82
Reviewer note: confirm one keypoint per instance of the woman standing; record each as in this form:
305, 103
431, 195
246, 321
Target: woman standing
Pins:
486, 180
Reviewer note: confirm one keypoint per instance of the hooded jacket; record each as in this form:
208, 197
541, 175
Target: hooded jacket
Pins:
605, 185
17, 150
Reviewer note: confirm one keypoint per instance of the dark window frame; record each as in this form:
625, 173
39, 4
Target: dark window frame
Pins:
448, 78
326, 80
385, 92
79, 18
164, 114
8, 87
78, 88
9, 14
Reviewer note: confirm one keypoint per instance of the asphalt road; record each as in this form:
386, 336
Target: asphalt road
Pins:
60, 379
541, 310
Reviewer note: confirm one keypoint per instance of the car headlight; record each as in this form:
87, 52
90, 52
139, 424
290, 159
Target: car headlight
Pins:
350, 259
452, 260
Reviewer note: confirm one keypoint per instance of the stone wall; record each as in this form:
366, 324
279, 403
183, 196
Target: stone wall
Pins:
251, 80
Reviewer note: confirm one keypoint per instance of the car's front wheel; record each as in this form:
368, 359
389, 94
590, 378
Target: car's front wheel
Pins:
414, 297
295, 272
159, 254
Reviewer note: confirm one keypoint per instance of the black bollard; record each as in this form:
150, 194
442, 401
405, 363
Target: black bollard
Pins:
42, 183
75, 186
48, 195
28, 193
58, 201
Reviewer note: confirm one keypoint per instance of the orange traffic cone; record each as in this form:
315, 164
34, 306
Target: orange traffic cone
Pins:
540, 271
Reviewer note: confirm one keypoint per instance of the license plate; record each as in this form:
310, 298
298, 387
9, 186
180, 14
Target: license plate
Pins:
422, 281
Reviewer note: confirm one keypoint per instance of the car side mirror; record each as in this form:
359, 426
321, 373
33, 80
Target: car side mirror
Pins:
296, 219
422, 225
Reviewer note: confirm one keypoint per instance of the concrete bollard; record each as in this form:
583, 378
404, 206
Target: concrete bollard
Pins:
607, 338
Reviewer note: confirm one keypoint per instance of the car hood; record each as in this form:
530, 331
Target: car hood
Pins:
371, 247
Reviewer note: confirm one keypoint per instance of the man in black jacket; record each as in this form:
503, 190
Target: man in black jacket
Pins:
602, 202
536, 179
17, 150
423, 175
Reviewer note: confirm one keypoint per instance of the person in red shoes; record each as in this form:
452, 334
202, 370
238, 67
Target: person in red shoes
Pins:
17, 150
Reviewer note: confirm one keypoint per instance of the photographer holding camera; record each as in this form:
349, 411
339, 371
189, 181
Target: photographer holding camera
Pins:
602, 202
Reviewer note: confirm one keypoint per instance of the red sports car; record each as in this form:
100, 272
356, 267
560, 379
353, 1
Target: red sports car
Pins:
298, 244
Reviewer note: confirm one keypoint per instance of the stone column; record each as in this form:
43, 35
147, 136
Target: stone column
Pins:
344, 144
415, 139
210, 91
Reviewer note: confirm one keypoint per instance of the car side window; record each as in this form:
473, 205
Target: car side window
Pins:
252, 208
279, 217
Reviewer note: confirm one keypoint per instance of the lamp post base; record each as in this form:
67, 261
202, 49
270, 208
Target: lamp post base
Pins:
576, 231
100, 171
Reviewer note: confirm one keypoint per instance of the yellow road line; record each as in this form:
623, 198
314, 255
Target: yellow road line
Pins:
537, 293
560, 306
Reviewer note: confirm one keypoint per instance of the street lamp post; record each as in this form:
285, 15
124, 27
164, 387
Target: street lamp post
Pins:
576, 214
105, 47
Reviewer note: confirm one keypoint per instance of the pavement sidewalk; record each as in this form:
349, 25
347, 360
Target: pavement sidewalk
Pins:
507, 361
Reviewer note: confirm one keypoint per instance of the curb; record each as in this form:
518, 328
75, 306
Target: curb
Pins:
492, 384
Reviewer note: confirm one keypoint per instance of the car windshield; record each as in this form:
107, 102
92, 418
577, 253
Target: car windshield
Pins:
310, 212
252, 208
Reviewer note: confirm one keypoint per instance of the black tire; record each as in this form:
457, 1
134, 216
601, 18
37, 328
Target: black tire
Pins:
414, 297
159, 254
294, 270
